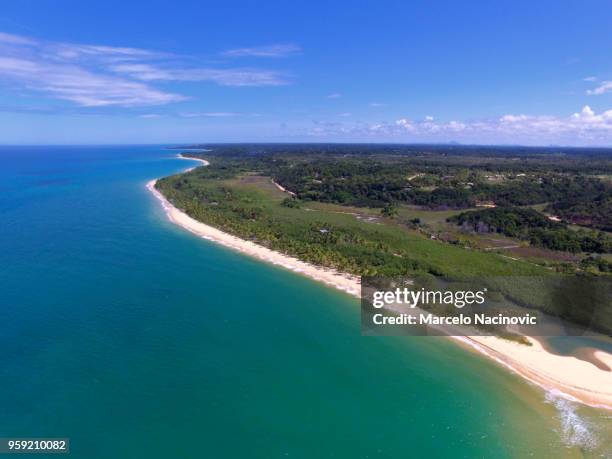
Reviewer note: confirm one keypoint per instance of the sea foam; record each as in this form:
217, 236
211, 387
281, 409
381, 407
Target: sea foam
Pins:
575, 430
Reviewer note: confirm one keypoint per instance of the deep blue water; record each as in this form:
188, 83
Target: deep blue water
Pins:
136, 339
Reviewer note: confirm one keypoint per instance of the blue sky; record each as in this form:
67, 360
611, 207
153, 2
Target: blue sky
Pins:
74, 72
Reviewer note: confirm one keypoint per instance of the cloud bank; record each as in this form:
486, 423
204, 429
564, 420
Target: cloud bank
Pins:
581, 128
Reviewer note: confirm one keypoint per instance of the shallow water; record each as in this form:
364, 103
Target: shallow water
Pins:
137, 339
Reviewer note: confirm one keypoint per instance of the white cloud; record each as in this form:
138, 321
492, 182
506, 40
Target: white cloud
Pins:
377, 104
604, 86
590, 79
81, 86
223, 77
585, 127
15, 39
279, 50
456, 126
513, 118
403, 124
99, 76
150, 115
208, 114
586, 113
70, 51
334, 95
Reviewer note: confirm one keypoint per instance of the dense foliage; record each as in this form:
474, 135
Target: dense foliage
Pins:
581, 160
573, 183
588, 207
532, 226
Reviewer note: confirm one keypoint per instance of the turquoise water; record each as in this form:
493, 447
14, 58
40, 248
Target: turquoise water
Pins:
138, 340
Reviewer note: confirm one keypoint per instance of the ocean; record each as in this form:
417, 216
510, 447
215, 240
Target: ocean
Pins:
136, 339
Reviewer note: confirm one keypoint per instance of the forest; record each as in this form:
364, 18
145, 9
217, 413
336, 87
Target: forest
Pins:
575, 185
530, 225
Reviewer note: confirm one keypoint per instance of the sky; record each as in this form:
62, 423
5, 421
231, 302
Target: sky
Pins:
116, 72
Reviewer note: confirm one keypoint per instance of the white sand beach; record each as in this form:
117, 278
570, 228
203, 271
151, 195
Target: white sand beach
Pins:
565, 375
203, 161
570, 376
345, 282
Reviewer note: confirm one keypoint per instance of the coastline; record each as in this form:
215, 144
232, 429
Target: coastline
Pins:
202, 161
563, 375
566, 376
341, 281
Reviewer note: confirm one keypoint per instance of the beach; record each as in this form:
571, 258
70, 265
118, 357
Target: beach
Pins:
570, 376
345, 282
567, 376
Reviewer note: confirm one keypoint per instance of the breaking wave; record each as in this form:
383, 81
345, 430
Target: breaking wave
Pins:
575, 430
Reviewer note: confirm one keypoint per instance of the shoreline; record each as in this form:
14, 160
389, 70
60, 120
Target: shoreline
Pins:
341, 281
566, 376
203, 161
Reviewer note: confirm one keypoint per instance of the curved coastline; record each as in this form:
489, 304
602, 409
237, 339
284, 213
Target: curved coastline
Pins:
566, 376
341, 281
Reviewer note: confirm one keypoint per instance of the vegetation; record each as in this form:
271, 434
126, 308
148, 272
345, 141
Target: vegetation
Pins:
249, 207
570, 181
588, 208
599, 264
389, 211
396, 211
530, 225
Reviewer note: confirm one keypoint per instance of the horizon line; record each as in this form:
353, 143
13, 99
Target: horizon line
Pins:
415, 144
